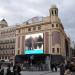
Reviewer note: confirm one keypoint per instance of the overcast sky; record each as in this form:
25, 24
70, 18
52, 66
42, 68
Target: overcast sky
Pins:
18, 11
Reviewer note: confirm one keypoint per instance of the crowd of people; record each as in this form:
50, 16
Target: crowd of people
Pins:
16, 70
65, 68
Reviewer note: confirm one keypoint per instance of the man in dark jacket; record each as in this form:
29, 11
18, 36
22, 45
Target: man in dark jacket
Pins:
2, 72
17, 69
8, 70
62, 69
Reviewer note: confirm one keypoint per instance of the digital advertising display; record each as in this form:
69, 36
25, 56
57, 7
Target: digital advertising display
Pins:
34, 44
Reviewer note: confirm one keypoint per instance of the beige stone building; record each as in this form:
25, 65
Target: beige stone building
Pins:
7, 41
13, 39
55, 40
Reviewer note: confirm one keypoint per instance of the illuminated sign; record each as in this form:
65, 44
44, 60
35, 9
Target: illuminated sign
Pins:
33, 51
34, 43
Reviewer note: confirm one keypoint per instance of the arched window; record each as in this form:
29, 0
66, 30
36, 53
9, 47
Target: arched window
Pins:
52, 12
55, 12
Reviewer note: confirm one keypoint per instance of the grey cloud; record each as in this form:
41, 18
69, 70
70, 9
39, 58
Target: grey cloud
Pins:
18, 11
67, 15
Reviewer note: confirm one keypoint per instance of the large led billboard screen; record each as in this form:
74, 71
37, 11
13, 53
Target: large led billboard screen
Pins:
34, 44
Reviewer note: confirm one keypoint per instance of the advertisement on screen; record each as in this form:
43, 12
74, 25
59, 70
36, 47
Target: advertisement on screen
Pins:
34, 44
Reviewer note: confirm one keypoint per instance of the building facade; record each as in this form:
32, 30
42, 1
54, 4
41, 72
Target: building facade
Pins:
7, 41
55, 40
72, 49
38, 33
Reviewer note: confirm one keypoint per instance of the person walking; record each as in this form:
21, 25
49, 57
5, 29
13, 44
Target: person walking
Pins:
2, 71
17, 69
68, 68
52, 67
62, 69
55, 66
8, 70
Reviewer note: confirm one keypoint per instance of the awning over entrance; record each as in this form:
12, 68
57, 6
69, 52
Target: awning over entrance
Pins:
39, 57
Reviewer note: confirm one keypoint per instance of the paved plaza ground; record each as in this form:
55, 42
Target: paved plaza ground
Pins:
39, 73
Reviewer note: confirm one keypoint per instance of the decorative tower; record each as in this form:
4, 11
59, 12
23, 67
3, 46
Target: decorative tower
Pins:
55, 31
54, 14
53, 10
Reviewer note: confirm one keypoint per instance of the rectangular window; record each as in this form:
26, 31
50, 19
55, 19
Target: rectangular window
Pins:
34, 28
53, 50
18, 51
39, 27
29, 29
57, 50
56, 25
52, 25
18, 31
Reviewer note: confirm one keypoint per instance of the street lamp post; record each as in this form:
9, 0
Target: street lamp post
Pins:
31, 57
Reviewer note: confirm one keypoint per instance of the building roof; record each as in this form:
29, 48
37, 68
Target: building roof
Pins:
3, 22
53, 6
